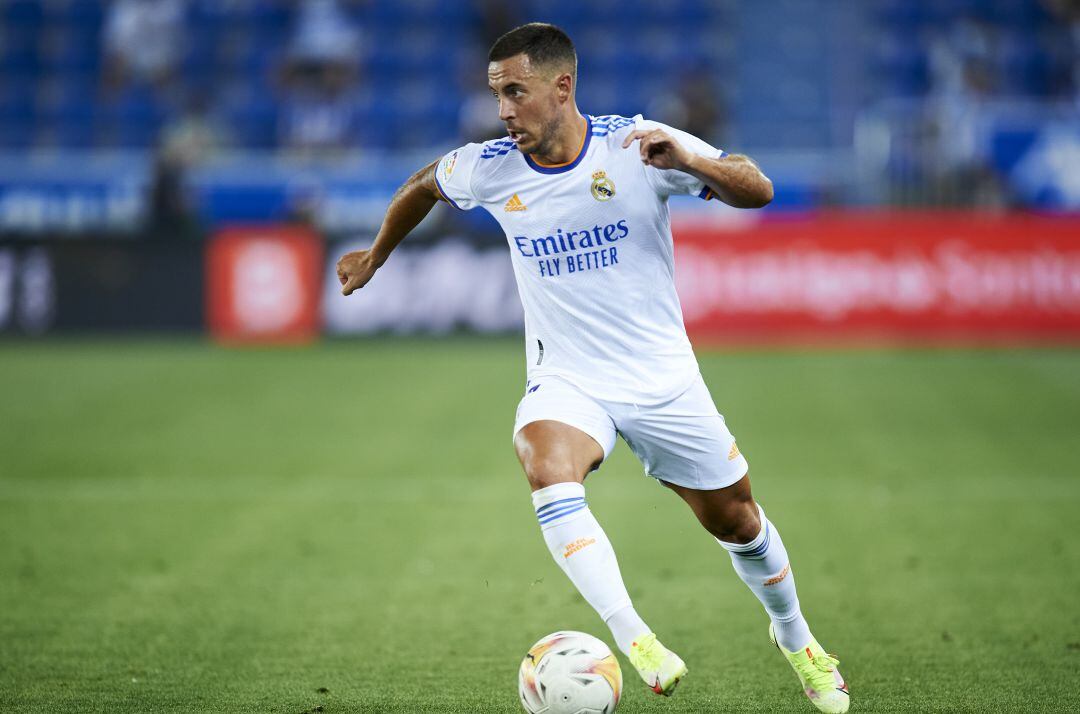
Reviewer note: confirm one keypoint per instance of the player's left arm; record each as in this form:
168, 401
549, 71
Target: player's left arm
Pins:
735, 179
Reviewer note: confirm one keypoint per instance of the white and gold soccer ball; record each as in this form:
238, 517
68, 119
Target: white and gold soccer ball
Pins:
569, 673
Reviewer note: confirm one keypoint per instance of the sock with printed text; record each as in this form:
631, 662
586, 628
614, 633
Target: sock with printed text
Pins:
584, 553
763, 565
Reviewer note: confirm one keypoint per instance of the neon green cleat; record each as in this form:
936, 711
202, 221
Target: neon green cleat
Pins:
820, 678
661, 668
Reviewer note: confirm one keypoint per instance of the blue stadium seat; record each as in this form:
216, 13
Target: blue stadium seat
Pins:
198, 66
939, 12
567, 15
20, 50
250, 111
374, 125
1016, 14
85, 15
597, 95
73, 49
67, 97
272, 15
76, 132
899, 15
22, 15
431, 14
16, 134
17, 98
254, 127
18, 113
134, 118
903, 66
243, 41
418, 127
1027, 68
137, 133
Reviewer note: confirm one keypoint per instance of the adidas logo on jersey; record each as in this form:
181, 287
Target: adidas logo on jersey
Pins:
514, 204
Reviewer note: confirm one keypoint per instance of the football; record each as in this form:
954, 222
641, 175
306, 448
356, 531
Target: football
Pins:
569, 673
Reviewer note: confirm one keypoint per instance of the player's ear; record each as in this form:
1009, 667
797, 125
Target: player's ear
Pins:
564, 86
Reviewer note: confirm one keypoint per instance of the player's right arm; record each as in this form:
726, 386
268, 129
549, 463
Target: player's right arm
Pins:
449, 179
407, 208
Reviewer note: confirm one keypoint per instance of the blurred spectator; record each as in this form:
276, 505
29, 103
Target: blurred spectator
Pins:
142, 41
318, 109
1068, 13
478, 113
693, 106
964, 60
478, 119
193, 138
965, 77
496, 19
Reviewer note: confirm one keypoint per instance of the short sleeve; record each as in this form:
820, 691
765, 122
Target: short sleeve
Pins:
670, 182
454, 176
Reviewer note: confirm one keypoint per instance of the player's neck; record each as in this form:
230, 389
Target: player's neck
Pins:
567, 144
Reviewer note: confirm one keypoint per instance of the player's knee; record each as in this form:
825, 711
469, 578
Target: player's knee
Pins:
736, 522
544, 472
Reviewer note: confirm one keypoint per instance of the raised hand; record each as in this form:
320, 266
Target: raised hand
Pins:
659, 149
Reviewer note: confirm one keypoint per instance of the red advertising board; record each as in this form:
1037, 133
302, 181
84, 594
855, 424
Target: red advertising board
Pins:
914, 276
263, 284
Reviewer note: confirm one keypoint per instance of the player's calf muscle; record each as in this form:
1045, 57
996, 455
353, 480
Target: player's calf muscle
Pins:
736, 523
730, 514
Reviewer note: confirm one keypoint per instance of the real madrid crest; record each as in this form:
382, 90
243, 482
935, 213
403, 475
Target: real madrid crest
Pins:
602, 187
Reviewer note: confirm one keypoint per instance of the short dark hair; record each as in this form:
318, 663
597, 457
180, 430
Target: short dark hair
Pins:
542, 43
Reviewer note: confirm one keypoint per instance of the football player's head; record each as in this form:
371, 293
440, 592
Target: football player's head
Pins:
532, 71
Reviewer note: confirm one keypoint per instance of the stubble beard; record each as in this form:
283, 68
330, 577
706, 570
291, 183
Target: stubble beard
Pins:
548, 131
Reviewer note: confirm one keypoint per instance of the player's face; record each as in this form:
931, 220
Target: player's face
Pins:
528, 102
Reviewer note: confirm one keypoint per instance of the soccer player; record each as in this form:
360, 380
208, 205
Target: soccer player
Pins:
583, 202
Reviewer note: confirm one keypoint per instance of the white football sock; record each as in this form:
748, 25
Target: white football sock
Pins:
626, 626
584, 553
763, 565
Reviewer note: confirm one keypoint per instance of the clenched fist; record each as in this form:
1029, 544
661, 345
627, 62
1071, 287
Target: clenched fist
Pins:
355, 269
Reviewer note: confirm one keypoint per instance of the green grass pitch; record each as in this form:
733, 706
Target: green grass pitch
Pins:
185, 528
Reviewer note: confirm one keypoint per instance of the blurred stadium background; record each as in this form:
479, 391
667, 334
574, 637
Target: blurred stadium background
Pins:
132, 133
188, 526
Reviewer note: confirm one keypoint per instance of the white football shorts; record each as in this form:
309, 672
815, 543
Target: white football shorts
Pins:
684, 441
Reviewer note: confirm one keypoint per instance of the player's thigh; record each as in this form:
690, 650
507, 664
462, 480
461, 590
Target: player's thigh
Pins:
685, 442
560, 434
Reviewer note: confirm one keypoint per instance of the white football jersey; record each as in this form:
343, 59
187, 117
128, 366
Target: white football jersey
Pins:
592, 252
